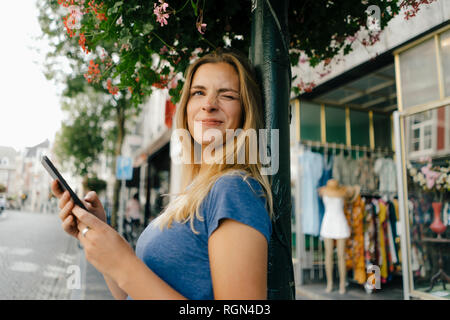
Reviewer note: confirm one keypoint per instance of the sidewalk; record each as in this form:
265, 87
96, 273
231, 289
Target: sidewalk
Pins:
93, 285
316, 291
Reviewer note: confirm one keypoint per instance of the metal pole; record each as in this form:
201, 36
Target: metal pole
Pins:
270, 57
401, 205
122, 206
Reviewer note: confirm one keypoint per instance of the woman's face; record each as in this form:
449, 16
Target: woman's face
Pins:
214, 101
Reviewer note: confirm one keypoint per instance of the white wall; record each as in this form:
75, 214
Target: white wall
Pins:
397, 32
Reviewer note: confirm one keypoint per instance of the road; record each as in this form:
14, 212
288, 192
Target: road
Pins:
35, 257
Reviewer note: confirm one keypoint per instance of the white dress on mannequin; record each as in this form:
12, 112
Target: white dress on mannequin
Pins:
334, 223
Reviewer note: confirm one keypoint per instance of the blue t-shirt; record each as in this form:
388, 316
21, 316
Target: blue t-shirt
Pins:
180, 257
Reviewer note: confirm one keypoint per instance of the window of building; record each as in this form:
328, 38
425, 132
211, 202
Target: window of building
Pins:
417, 63
382, 130
445, 58
309, 121
4, 161
335, 124
359, 127
422, 135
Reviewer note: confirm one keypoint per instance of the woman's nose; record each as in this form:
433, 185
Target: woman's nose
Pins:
211, 103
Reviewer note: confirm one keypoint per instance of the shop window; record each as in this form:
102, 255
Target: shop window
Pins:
445, 58
309, 121
382, 130
428, 207
359, 124
422, 134
418, 72
335, 124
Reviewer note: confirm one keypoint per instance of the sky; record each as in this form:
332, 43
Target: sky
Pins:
29, 105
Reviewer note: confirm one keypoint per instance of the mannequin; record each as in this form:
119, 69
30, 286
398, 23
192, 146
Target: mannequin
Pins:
335, 227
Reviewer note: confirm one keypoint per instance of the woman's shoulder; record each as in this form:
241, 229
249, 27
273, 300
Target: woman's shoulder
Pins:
237, 180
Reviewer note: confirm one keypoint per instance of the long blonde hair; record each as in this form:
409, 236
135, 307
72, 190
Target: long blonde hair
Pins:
185, 207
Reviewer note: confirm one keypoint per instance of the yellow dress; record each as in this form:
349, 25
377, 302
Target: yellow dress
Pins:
354, 248
359, 265
381, 218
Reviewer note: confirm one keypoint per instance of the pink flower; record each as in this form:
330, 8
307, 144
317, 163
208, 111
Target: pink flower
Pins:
201, 27
163, 5
161, 12
431, 175
163, 50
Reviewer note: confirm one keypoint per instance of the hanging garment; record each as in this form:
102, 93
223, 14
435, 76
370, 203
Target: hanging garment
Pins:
352, 167
311, 166
344, 169
365, 175
326, 175
359, 266
334, 224
387, 243
370, 235
392, 250
339, 169
376, 210
397, 238
382, 242
349, 242
393, 232
385, 169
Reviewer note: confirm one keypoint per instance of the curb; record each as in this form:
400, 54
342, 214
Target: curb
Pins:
300, 291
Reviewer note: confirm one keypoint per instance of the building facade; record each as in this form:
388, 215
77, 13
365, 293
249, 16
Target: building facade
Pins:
385, 111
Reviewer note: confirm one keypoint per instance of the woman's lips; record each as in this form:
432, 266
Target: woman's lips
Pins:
211, 123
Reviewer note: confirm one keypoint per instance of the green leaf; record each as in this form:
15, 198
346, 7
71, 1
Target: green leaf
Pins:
147, 28
115, 8
195, 7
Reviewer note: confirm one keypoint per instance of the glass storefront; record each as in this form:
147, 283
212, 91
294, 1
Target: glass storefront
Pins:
355, 121
423, 123
428, 203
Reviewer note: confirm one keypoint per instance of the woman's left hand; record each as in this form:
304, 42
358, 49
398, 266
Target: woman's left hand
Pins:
104, 248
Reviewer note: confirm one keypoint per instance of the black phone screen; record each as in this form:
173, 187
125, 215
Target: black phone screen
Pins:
48, 165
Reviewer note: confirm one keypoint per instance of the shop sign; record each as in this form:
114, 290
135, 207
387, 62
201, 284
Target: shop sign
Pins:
124, 168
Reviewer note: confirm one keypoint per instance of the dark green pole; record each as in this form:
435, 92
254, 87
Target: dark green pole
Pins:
270, 57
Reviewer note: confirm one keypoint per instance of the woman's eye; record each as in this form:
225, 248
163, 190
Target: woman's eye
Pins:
228, 97
196, 93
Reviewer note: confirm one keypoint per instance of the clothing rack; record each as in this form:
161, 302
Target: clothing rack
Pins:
341, 146
379, 195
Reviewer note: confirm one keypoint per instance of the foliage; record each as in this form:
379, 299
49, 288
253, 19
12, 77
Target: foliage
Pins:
82, 136
2, 188
434, 180
135, 45
96, 184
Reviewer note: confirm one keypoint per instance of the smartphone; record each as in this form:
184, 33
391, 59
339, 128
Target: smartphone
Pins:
48, 165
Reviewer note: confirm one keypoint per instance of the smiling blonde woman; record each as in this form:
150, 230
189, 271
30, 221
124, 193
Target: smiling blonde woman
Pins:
211, 242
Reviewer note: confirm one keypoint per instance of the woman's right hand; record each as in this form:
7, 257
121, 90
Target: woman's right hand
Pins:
66, 204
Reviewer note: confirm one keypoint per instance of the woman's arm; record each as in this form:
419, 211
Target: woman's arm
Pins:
238, 261
142, 283
111, 255
114, 288
109, 252
238, 257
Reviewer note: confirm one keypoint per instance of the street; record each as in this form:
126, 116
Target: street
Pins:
35, 255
